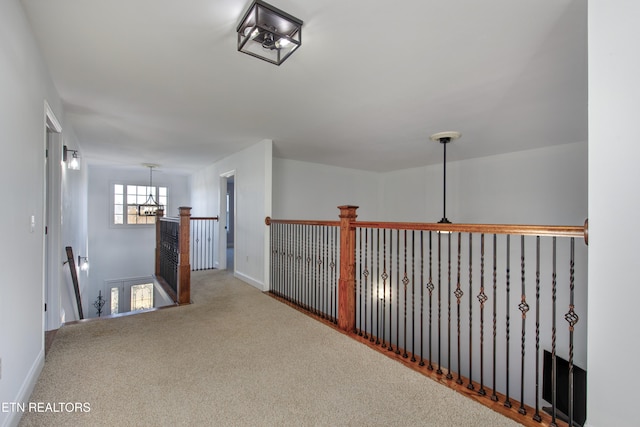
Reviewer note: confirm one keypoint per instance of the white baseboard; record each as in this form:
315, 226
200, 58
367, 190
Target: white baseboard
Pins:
253, 282
26, 389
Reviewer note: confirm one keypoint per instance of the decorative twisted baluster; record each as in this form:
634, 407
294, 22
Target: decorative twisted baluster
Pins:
405, 282
458, 293
572, 318
524, 308
470, 386
449, 374
413, 297
482, 298
494, 396
507, 401
421, 297
430, 287
536, 415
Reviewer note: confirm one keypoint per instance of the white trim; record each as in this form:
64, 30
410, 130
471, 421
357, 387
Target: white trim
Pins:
250, 280
52, 256
26, 389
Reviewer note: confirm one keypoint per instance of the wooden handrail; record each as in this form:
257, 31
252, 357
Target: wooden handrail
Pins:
526, 230
208, 218
268, 221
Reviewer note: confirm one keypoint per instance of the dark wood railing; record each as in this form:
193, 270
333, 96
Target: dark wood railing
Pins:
443, 299
173, 268
202, 242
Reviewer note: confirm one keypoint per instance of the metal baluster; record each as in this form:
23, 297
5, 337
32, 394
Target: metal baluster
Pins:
572, 318
384, 289
308, 259
363, 273
366, 281
430, 287
405, 282
360, 279
421, 297
524, 308
553, 336
439, 370
377, 287
459, 294
449, 375
494, 396
377, 275
482, 297
398, 289
390, 346
536, 416
470, 386
507, 402
413, 297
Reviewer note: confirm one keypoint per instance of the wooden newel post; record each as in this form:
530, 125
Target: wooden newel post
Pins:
159, 215
184, 268
346, 284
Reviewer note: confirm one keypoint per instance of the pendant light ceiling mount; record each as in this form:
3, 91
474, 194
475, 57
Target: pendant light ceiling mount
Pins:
444, 138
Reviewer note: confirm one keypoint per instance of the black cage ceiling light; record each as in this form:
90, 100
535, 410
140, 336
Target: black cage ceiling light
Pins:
268, 33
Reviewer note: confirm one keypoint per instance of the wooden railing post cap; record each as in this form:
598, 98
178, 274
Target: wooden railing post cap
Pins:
185, 210
267, 220
348, 211
160, 213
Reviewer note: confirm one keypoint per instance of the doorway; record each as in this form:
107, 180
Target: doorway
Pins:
228, 202
52, 219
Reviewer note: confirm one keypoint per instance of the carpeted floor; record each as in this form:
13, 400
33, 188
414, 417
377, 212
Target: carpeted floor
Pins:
235, 357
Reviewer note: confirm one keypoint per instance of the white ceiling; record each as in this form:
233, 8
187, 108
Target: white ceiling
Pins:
161, 81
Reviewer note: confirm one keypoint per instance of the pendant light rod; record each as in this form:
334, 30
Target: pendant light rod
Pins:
444, 138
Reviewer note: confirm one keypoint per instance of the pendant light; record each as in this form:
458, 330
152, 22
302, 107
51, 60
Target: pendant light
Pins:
151, 205
444, 138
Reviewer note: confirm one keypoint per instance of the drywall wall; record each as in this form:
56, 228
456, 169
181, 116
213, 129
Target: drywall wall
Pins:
303, 190
25, 86
541, 186
614, 102
252, 172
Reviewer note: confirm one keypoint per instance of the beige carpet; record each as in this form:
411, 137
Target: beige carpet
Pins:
234, 357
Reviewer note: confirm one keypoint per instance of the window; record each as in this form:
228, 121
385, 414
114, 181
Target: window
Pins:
126, 199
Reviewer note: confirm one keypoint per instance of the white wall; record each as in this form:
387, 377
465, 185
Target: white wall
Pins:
119, 253
614, 104
303, 190
24, 85
542, 186
252, 171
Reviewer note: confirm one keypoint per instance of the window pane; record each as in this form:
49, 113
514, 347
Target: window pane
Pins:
132, 219
114, 300
141, 296
118, 199
118, 219
118, 189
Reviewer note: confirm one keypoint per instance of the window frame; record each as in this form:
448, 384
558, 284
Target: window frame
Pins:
112, 202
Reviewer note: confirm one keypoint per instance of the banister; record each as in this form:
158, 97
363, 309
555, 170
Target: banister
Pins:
268, 221
519, 229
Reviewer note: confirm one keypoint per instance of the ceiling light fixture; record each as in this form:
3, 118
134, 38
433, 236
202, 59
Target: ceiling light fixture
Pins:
150, 206
268, 33
444, 138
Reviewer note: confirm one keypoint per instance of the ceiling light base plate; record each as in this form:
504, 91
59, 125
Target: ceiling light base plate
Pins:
445, 137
